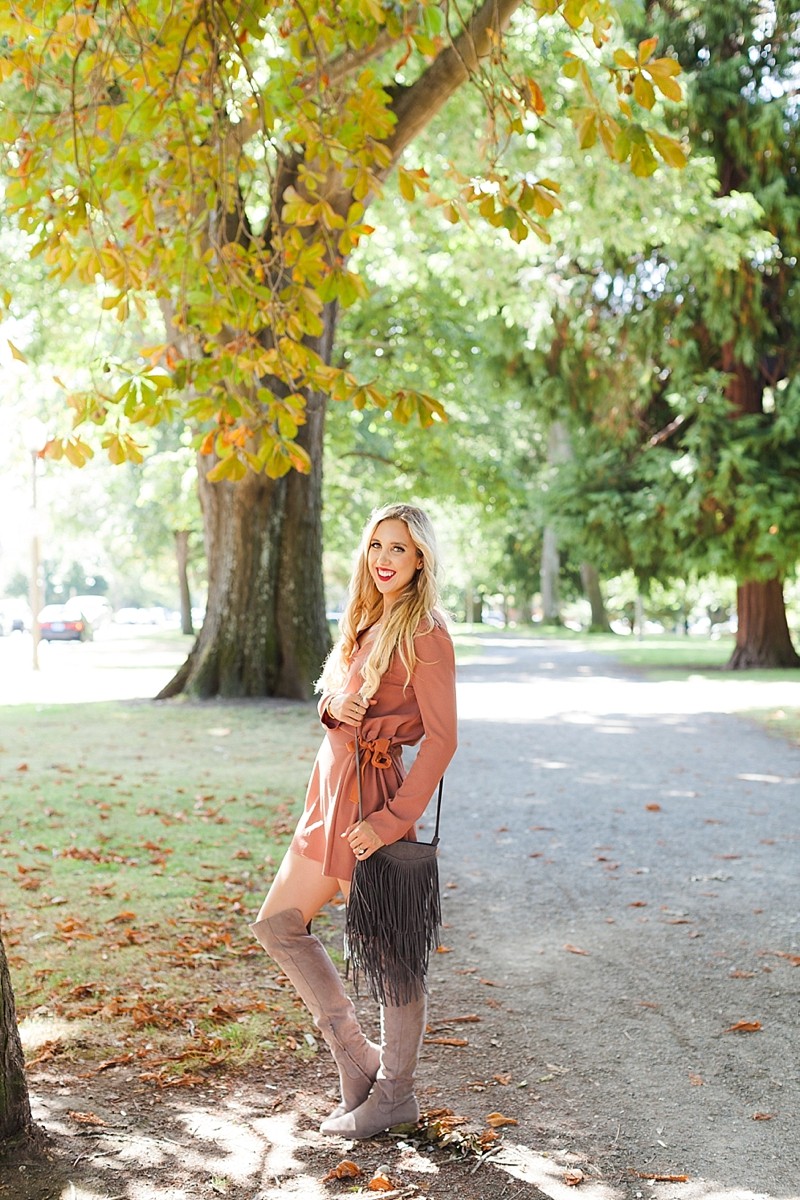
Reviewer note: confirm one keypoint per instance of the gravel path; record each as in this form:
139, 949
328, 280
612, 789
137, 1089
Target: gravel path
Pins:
623, 862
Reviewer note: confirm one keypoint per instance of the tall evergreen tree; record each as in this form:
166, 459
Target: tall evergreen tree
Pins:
743, 58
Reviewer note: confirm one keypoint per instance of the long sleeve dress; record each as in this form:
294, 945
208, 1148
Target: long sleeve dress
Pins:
392, 800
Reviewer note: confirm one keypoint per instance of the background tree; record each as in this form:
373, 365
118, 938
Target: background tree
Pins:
743, 57
15, 1111
222, 159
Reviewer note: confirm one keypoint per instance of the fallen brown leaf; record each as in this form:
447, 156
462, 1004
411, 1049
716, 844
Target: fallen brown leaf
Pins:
696, 1080
794, 959
573, 1178
346, 1169
85, 1118
744, 1027
46, 1052
446, 1041
108, 1063
380, 1183
664, 1178
496, 1120
653, 807
574, 949
763, 1116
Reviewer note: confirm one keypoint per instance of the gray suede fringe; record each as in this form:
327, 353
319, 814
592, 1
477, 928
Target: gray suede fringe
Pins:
393, 918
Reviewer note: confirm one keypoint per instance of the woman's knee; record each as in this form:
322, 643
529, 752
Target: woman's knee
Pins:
299, 884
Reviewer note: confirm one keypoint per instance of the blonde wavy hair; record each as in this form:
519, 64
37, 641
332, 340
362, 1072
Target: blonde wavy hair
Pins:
416, 608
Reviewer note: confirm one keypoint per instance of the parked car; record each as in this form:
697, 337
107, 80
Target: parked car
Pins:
64, 623
15, 615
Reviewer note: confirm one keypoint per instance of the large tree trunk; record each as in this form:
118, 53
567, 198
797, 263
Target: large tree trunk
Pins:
182, 560
559, 450
762, 638
594, 594
265, 632
15, 1111
549, 572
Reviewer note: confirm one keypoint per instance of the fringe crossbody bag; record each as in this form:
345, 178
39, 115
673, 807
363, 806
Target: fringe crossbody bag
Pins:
394, 913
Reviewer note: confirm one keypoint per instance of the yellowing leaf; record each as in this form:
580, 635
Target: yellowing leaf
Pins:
646, 49
497, 1120
643, 161
670, 150
230, 468
15, 353
643, 92
405, 184
623, 59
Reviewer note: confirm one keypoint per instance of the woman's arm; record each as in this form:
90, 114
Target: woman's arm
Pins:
434, 684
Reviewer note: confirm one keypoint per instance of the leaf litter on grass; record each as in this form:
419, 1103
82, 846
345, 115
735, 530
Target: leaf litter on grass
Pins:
135, 851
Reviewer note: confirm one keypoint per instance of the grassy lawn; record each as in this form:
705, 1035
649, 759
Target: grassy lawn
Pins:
137, 841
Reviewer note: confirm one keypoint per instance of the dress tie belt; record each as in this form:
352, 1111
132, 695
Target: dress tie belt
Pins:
377, 753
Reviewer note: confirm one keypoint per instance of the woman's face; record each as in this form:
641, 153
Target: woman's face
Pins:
392, 558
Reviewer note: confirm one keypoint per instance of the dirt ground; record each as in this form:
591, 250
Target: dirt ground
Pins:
254, 1136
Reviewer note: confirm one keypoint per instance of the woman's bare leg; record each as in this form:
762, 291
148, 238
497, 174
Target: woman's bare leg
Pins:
300, 883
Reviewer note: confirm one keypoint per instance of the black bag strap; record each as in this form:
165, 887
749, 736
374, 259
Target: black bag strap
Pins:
360, 798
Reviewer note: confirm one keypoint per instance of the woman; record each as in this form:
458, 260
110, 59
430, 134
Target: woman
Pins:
390, 679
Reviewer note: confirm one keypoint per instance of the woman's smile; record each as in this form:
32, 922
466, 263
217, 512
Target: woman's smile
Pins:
393, 559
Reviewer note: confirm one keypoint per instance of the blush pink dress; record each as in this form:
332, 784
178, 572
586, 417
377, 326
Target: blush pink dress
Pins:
393, 800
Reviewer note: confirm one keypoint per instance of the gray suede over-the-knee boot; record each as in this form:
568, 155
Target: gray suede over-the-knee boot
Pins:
391, 1101
305, 961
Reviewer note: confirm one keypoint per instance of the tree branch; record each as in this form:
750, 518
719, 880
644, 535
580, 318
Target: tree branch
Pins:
339, 68
417, 104
666, 433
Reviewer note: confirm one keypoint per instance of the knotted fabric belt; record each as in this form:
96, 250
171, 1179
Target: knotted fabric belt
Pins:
377, 753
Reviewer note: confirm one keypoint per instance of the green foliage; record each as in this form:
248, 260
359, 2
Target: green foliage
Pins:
661, 336
219, 162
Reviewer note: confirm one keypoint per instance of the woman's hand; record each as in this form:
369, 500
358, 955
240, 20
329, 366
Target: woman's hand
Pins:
349, 707
363, 839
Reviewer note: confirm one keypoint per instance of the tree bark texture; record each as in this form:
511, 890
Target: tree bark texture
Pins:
762, 637
15, 1111
594, 594
550, 568
182, 560
264, 632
